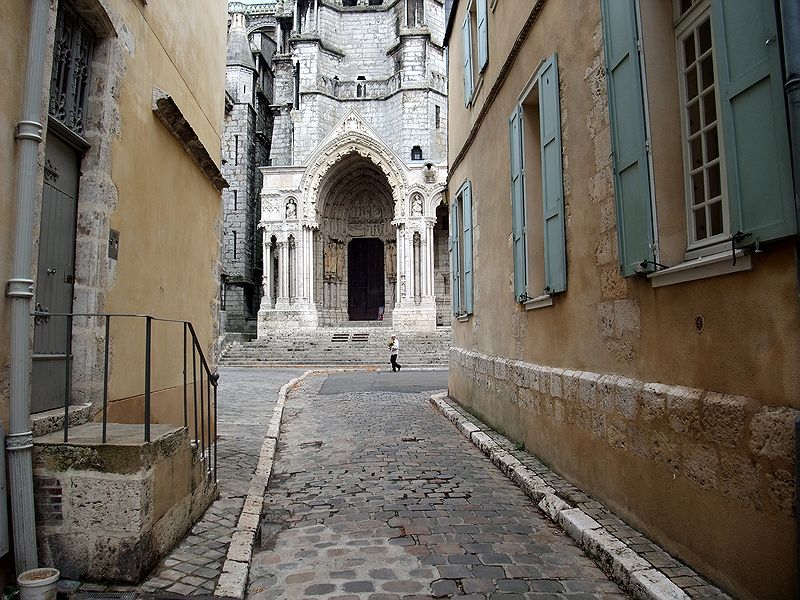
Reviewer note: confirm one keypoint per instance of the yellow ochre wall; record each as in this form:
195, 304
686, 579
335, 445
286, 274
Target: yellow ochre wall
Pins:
168, 211
706, 471
136, 178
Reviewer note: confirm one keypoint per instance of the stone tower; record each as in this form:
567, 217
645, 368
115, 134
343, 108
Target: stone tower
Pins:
246, 144
353, 216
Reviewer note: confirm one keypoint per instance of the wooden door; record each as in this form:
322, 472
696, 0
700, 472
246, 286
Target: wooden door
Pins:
55, 275
365, 279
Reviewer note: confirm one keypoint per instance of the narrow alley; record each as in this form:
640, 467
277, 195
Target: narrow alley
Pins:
375, 495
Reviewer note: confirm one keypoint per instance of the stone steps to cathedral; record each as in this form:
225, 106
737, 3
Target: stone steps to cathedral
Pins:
340, 347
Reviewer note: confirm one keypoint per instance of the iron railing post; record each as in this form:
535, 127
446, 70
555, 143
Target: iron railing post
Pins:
105, 377
185, 397
216, 383
202, 421
208, 413
194, 388
147, 356
67, 377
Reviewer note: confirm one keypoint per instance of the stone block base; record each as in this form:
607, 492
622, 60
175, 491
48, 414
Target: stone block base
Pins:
109, 512
414, 318
286, 318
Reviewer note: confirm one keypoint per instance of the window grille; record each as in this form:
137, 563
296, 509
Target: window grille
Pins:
69, 81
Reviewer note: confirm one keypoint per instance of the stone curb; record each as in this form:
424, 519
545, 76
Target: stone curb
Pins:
233, 580
628, 569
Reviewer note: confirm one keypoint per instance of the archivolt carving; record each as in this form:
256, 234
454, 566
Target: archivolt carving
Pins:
353, 142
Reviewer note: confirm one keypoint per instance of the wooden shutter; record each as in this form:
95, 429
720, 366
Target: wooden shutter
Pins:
483, 34
555, 245
628, 136
466, 40
754, 128
518, 205
466, 244
455, 268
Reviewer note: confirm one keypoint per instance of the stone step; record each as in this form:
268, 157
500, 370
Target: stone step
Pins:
342, 346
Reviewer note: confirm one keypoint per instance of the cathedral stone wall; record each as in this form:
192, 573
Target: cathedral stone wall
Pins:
356, 92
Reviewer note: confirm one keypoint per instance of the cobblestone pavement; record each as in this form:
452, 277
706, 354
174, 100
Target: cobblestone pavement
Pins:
376, 496
246, 398
693, 584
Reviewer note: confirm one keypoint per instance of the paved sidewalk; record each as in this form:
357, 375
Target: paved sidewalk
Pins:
246, 398
375, 496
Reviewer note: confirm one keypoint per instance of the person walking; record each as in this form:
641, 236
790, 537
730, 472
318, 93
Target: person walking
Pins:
394, 348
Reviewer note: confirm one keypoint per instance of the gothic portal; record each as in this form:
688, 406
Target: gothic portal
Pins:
357, 168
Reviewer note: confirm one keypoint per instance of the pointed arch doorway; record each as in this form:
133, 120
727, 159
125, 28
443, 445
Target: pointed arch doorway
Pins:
366, 299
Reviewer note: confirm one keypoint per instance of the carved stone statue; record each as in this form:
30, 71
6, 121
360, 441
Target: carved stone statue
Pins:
390, 260
291, 210
416, 205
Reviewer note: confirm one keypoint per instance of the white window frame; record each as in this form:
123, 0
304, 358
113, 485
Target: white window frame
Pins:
685, 26
458, 206
531, 87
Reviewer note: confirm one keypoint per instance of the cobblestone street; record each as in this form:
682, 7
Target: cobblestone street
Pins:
376, 496
246, 398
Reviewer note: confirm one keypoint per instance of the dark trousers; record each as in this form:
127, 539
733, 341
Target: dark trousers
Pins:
395, 366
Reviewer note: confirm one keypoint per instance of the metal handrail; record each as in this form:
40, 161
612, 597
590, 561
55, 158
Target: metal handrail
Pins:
208, 380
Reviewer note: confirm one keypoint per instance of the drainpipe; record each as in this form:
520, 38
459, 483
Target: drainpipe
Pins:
19, 442
790, 26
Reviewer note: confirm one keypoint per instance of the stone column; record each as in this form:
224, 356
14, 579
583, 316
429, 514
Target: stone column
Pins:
429, 255
310, 264
283, 273
266, 280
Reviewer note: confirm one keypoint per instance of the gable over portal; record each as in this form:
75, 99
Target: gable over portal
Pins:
352, 135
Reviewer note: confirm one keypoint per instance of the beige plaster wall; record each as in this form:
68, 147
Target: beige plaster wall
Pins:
137, 180
166, 408
604, 324
168, 211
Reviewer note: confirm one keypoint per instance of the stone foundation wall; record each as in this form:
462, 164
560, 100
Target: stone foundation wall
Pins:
705, 474
109, 513
730, 444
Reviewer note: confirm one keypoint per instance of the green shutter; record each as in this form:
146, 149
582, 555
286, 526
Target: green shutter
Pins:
754, 129
466, 243
455, 269
483, 35
628, 136
555, 245
466, 40
518, 205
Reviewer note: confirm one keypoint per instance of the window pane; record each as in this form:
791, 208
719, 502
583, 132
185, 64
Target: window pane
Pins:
704, 36
716, 218
694, 117
691, 83
707, 71
696, 148
709, 108
714, 181
698, 188
712, 144
688, 51
700, 224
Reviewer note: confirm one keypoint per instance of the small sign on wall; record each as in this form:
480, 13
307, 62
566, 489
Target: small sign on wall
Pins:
113, 244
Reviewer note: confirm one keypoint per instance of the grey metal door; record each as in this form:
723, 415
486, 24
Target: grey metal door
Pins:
55, 276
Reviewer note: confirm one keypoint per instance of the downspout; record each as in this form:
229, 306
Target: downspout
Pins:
790, 27
19, 442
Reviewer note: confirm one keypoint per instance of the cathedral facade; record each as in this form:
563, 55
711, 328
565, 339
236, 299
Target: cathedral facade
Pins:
353, 210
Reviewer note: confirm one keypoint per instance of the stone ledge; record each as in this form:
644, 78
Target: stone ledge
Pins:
631, 571
53, 420
171, 116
